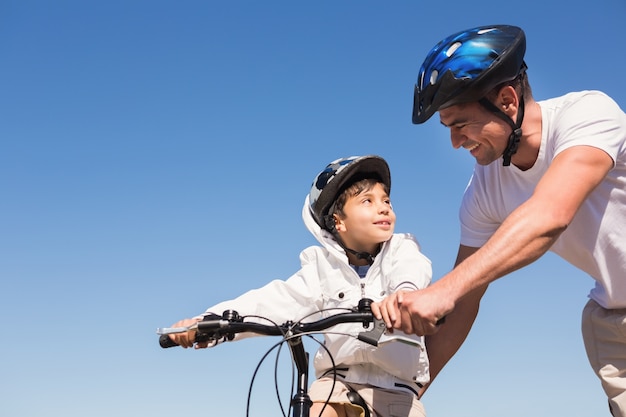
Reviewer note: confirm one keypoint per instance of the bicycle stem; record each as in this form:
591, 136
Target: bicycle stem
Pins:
301, 402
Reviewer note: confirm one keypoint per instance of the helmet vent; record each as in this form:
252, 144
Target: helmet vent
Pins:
452, 49
433, 76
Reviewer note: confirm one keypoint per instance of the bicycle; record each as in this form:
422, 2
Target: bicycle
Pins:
215, 329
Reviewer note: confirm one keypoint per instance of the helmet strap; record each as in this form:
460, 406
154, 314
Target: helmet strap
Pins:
516, 127
329, 222
360, 255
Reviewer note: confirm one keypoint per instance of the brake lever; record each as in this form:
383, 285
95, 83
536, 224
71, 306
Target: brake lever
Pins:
377, 336
373, 336
174, 330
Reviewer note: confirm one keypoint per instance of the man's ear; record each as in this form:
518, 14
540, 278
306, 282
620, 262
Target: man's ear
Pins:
508, 101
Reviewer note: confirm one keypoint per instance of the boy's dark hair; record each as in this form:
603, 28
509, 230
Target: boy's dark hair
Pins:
352, 190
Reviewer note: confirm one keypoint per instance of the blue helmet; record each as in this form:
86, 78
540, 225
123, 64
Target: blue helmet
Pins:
336, 177
465, 66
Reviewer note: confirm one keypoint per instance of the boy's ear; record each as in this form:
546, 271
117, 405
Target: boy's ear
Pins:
339, 224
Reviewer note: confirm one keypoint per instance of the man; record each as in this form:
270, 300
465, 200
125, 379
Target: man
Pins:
560, 186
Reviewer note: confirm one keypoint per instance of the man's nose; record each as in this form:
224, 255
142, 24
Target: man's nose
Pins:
457, 139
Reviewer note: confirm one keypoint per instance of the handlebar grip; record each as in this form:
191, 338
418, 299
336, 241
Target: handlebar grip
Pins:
205, 330
166, 342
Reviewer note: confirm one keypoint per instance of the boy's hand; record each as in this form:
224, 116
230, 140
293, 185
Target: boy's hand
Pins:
187, 339
388, 311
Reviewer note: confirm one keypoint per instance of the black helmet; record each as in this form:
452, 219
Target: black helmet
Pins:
336, 177
465, 66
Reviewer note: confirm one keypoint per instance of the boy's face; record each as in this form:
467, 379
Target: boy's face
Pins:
369, 220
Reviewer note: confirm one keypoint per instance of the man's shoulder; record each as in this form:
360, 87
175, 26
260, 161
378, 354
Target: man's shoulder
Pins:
573, 97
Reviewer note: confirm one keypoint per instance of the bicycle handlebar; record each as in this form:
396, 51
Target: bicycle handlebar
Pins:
214, 328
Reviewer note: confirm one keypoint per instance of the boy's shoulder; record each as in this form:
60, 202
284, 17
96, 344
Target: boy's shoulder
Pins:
398, 237
403, 241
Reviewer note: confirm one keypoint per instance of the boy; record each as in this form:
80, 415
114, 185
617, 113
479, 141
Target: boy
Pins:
349, 211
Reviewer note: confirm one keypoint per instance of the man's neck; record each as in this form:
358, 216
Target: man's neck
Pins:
528, 150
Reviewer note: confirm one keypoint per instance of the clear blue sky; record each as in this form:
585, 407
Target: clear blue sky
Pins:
154, 158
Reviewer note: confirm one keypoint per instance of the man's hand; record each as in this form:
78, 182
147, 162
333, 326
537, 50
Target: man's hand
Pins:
414, 311
422, 310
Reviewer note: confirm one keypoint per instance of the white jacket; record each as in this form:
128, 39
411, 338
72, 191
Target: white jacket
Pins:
326, 280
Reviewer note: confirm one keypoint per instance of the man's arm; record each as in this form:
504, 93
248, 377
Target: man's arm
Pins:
525, 235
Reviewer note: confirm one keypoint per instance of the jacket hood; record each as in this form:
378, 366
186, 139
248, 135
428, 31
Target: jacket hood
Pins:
324, 237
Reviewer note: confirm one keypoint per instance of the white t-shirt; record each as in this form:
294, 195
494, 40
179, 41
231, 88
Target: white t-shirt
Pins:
595, 241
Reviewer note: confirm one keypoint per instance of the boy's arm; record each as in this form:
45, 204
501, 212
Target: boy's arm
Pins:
412, 270
442, 345
278, 300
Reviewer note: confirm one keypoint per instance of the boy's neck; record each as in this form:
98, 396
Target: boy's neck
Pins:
356, 260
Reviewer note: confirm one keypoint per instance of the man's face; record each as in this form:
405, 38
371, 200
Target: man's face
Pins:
476, 129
